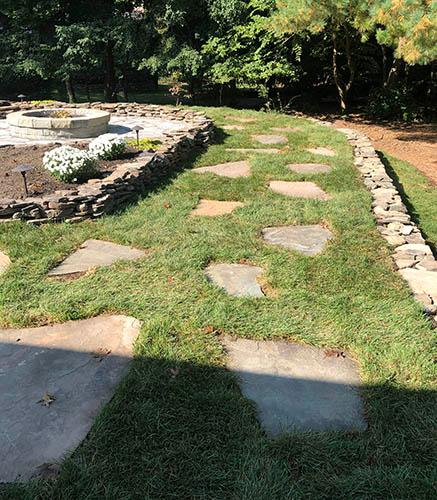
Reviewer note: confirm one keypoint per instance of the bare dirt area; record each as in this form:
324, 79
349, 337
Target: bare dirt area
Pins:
414, 143
40, 181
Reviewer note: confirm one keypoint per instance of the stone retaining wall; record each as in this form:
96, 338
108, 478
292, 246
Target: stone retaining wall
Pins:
413, 258
101, 196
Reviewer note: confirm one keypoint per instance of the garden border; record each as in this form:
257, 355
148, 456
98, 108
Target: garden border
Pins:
101, 196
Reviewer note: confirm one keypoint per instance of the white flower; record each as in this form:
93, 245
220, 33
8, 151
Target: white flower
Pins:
107, 147
68, 163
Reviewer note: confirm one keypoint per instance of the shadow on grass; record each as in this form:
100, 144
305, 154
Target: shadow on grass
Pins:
415, 216
182, 430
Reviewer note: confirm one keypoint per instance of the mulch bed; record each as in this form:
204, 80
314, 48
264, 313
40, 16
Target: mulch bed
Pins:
40, 182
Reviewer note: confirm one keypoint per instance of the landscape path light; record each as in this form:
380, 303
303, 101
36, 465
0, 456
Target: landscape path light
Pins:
21, 97
137, 129
23, 169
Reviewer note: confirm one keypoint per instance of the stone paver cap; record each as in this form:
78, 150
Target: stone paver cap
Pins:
54, 382
307, 240
322, 151
212, 208
299, 189
270, 139
4, 262
309, 168
93, 254
232, 169
239, 280
297, 388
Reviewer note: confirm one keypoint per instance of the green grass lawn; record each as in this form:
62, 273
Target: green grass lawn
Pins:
193, 435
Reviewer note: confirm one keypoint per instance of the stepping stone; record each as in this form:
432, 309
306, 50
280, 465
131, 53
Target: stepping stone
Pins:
285, 129
241, 119
232, 169
309, 168
322, 151
212, 208
239, 280
307, 240
266, 151
54, 382
299, 189
92, 254
270, 139
233, 127
296, 387
5, 262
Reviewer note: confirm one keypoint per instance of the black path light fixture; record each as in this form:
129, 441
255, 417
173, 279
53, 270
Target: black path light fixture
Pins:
21, 97
137, 129
23, 169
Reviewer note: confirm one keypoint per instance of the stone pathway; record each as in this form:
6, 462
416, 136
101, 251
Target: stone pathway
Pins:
322, 151
93, 254
299, 189
232, 169
213, 208
239, 280
296, 387
266, 151
270, 139
309, 168
54, 382
5, 262
307, 240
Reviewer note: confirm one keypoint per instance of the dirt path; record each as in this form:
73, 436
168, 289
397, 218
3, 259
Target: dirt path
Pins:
416, 144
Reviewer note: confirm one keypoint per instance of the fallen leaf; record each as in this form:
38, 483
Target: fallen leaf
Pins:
166, 204
170, 279
47, 400
209, 329
334, 353
101, 353
174, 372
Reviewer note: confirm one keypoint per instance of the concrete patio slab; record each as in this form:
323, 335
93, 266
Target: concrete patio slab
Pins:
307, 240
299, 189
93, 254
270, 139
54, 382
297, 387
232, 169
5, 262
213, 208
309, 168
322, 151
239, 280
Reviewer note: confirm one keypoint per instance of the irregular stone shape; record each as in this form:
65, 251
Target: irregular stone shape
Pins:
232, 169
239, 280
299, 189
322, 151
270, 139
233, 127
296, 387
266, 151
212, 208
421, 282
54, 382
309, 168
5, 262
307, 240
285, 129
92, 254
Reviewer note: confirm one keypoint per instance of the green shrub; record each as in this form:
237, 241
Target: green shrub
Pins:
144, 144
395, 104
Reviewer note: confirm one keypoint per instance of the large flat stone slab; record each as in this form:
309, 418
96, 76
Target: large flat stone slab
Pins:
233, 127
239, 280
241, 119
421, 282
266, 151
5, 262
232, 169
307, 240
270, 139
213, 208
322, 151
299, 189
93, 254
287, 130
296, 387
309, 168
54, 381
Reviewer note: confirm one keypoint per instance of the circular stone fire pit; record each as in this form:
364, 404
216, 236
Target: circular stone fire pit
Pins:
46, 124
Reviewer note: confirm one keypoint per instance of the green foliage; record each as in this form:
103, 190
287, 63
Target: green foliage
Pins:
392, 103
144, 144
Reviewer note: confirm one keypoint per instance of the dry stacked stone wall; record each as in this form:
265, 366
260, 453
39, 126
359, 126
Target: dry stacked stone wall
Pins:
101, 196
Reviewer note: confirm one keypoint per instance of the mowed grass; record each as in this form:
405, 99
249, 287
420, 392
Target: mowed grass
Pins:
178, 426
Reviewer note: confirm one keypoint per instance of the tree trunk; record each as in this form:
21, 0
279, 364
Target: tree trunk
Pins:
110, 80
395, 73
87, 90
343, 89
70, 90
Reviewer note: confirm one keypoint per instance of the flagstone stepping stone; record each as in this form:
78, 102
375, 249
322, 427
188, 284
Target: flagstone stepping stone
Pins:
297, 387
241, 119
212, 208
54, 382
266, 151
233, 127
232, 169
322, 151
239, 280
309, 168
270, 139
4, 262
299, 189
307, 240
285, 129
93, 254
